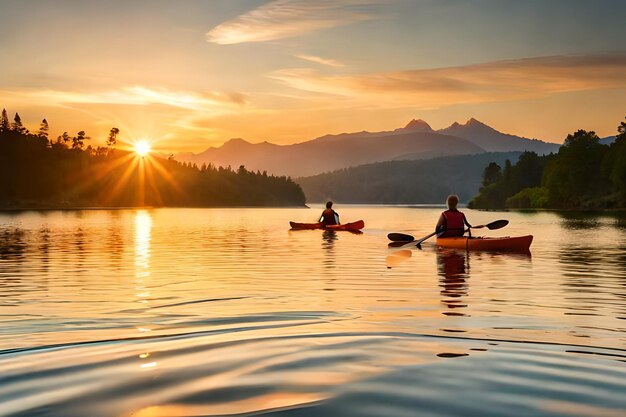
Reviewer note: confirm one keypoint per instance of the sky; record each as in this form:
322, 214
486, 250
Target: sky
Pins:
187, 75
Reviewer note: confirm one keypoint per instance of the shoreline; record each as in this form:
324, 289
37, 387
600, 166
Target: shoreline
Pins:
96, 208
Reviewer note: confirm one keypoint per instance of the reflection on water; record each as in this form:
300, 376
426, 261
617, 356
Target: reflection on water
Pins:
453, 269
177, 312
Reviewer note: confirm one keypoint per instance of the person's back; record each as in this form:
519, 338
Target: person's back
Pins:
329, 216
451, 222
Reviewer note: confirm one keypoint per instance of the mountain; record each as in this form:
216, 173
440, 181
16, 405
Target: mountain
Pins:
332, 152
493, 141
418, 125
417, 140
608, 140
404, 182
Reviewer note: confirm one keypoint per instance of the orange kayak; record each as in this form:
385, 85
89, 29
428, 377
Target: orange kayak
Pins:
513, 244
353, 227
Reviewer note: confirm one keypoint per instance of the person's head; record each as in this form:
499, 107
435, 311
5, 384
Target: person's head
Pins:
329, 204
452, 201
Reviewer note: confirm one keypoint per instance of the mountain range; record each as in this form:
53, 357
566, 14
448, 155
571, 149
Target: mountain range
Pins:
415, 141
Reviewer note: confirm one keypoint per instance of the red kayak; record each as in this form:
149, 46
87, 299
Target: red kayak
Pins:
351, 227
513, 244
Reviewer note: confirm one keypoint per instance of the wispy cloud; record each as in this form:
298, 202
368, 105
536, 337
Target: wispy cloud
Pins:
489, 82
133, 95
287, 18
321, 61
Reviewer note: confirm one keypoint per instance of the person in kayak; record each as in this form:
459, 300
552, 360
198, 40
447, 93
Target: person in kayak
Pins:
329, 216
451, 222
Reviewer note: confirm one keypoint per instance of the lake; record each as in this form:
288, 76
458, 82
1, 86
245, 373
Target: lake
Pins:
212, 312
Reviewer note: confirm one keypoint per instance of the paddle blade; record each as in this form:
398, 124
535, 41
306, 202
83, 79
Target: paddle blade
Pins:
498, 224
400, 237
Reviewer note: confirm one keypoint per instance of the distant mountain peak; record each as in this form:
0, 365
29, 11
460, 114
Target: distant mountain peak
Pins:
418, 124
236, 142
473, 121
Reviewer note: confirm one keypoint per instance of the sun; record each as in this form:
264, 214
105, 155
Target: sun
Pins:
142, 148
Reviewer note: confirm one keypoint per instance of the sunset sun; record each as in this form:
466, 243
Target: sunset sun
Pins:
142, 148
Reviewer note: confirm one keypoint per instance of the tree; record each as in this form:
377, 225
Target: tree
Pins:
78, 141
574, 177
63, 139
4, 121
621, 130
43, 129
492, 174
617, 157
112, 140
17, 124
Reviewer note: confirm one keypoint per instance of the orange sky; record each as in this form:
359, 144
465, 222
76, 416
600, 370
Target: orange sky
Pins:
190, 75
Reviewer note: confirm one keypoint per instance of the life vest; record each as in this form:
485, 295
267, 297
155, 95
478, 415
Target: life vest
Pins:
455, 223
329, 217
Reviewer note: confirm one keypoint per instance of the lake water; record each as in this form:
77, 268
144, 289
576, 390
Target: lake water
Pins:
207, 312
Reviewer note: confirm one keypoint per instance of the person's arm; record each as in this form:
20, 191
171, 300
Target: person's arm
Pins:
336, 217
466, 222
441, 224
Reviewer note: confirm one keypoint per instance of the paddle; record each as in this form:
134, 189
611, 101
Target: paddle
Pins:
408, 239
498, 224
400, 237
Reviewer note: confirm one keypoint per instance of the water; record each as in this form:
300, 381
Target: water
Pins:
204, 312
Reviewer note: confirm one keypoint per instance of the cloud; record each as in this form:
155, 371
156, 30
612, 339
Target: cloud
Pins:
214, 102
287, 18
489, 82
321, 61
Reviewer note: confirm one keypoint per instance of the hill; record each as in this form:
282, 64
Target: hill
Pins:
404, 182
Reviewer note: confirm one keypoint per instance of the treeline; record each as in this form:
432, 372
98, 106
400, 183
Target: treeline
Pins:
38, 172
584, 174
403, 182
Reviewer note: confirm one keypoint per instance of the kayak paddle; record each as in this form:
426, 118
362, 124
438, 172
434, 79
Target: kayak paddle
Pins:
400, 237
498, 224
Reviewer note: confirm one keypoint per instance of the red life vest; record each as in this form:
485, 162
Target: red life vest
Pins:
455, 223
328, 217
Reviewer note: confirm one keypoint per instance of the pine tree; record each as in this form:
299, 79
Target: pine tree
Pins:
43, 129
4, 121
17, 124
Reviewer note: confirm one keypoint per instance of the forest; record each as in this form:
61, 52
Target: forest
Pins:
425, 181
39, 172
585, 174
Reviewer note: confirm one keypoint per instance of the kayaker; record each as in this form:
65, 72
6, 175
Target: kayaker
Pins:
451, 222
329, 216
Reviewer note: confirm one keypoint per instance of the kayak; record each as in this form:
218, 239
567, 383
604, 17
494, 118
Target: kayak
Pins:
513, 244
352, 227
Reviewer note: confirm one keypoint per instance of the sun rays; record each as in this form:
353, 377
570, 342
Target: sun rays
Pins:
142, 148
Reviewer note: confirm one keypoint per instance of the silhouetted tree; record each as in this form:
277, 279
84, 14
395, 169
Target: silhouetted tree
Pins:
43, 129
78, 141
4, 121
63, 139
17, 124
112, 140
